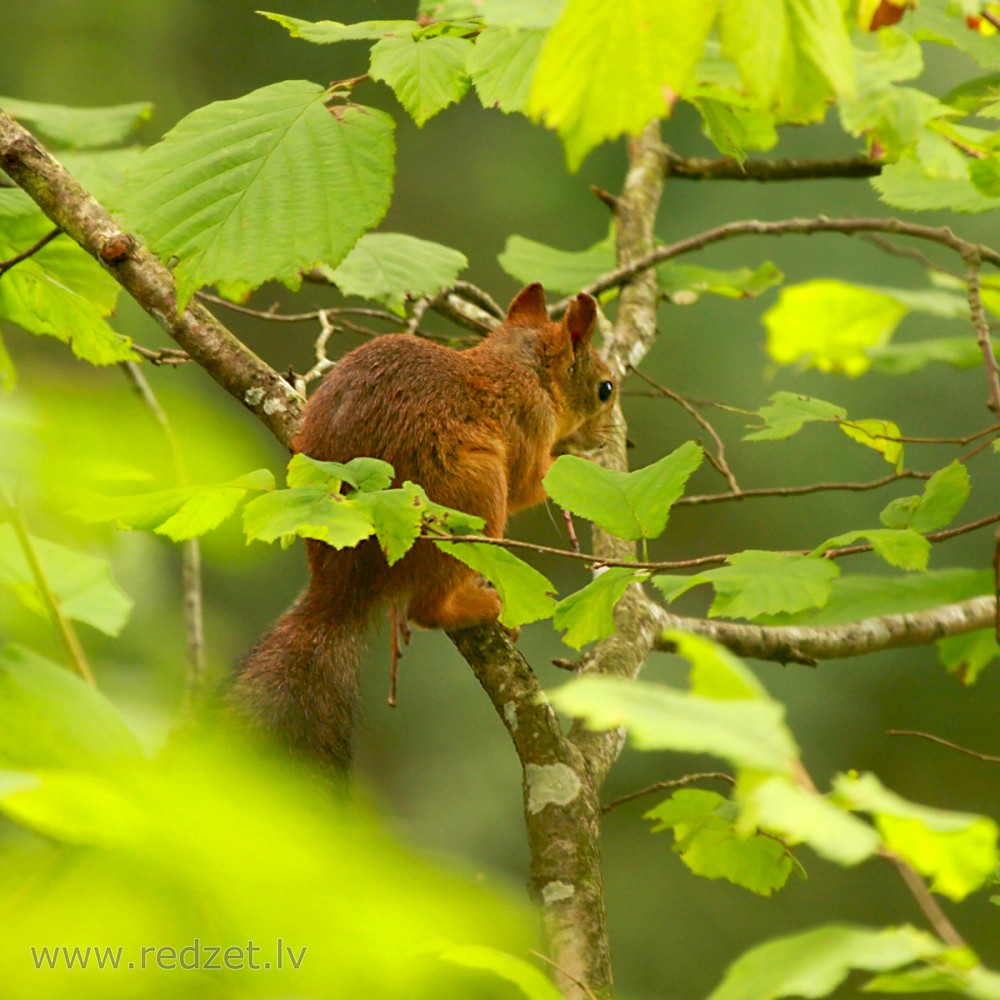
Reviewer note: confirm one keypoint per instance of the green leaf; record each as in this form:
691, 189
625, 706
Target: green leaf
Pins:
630, 505
532, 982
562, 271
880, 435
521, 13
8, 375
390, 267
814, 963
588, 615
396, 516
49, 717
325, 32
715, 672
365, 474
750, 734
829, 324
943, 497
215, 193
74, 807
709, 842
179, 514
82, 584
967, 655
426, 75
79, 128
525, 593
644, 46
801, 817
932, 22
309, 512
684, 284
502, 64
958, 851
853, 598
60, 292
906, 184
791, 53
733, 130
788, 412
759, 583
904, 547
904, 359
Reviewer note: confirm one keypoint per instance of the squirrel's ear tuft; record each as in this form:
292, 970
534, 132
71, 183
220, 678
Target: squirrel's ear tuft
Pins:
528, 307
581, 317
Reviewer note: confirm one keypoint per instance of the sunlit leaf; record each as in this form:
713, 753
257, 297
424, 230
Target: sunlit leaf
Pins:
630, 505
814, 963
365, 474
828, 325
50, 718
904, 359
958, 851
881, 435
792, 54
530, 980
644, 46
396, 516
81, 583
709, 842
715, 671
180, 513
241, 191
906, 184
801, 817
749, 734
587, 615
61, 292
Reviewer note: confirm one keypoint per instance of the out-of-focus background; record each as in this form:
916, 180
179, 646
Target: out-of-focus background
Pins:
439, 765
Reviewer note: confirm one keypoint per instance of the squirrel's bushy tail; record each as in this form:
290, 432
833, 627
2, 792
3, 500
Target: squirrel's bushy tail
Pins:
299, 683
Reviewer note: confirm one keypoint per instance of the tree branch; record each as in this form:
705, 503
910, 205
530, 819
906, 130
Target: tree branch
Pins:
753, 227
6, 265
809, 643
64, 200
695, 168
983, 332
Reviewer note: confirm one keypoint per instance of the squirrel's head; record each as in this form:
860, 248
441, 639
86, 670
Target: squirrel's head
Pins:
569, 369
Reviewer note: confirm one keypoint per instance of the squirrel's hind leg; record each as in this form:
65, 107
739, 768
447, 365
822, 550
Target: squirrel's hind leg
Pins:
468, 601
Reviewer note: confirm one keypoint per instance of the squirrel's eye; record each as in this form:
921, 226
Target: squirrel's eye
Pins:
604, 391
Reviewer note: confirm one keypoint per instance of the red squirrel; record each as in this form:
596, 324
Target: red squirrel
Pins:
477, 429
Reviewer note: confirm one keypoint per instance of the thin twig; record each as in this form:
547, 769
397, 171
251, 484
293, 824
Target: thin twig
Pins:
688, 779
989, 758
720, 449
6, 265
983, 331
909, 252
795, 491
67, 633
943, 927
191, 583
753, 227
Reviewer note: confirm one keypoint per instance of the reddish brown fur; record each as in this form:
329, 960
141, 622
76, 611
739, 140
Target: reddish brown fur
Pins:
477, 429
